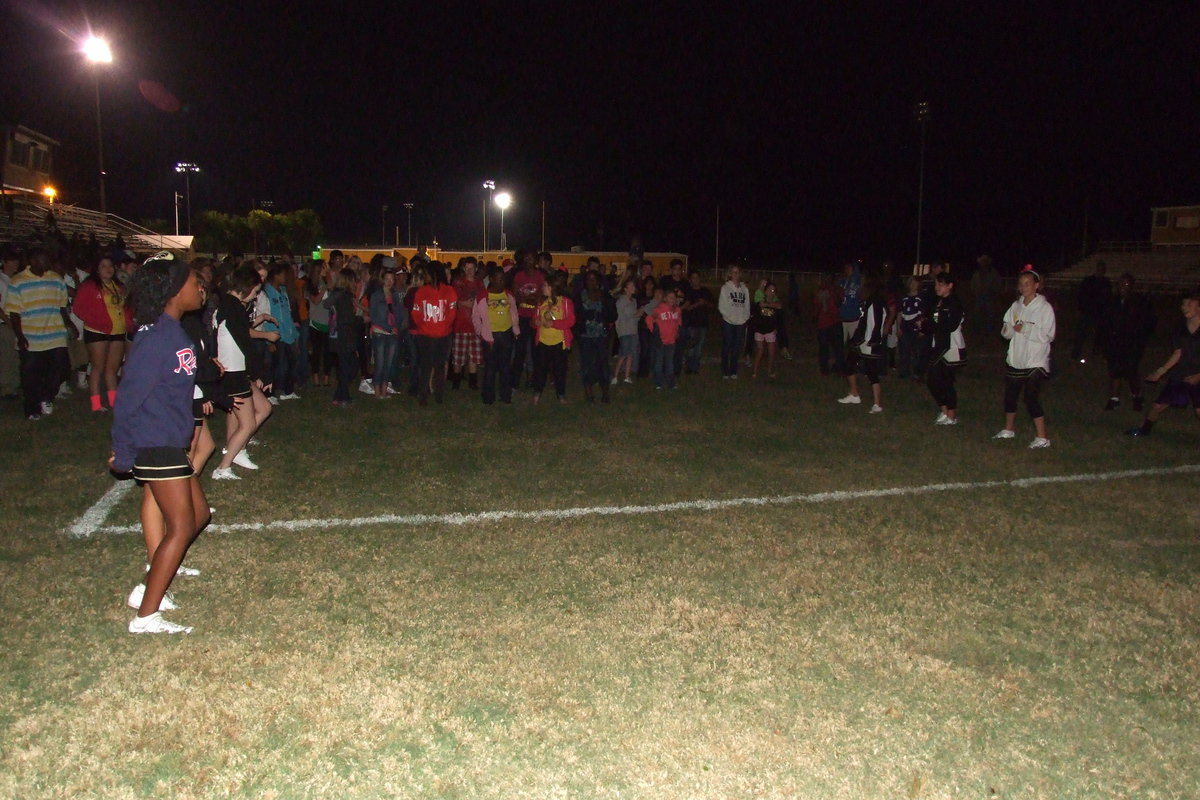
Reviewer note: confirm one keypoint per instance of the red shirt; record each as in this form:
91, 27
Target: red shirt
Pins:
667, 319
434, 311
527, 289
467, 291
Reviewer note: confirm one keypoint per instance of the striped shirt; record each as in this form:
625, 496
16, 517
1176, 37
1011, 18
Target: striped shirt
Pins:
39, 301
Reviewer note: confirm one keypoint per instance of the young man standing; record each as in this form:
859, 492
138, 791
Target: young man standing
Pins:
734, 306
697, 301
466, 350
527, 282
38, 310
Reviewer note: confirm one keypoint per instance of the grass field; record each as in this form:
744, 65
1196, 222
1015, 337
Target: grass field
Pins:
1010, 640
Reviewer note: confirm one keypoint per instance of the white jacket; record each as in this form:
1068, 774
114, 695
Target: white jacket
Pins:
734, 303
1029, 347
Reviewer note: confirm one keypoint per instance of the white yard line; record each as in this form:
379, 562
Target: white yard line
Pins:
684, 505
95, 516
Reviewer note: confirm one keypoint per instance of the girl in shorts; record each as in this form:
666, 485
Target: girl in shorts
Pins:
100, 303
152, 428
764, 321
243, 368
628, 314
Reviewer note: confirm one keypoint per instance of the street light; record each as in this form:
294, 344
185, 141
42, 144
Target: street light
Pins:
503, 201
187, 168
96, 51
921, 114
408, 207
491, 188
50, 193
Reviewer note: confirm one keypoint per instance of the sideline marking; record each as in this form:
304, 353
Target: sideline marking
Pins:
684, 505
94, 517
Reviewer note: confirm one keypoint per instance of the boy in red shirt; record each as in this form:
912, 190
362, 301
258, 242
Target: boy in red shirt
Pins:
664, 322
467, 348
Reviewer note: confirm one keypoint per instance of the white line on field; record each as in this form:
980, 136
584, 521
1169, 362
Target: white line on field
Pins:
94, 517
659, 508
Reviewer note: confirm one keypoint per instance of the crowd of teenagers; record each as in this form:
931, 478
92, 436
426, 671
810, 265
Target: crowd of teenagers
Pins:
187, 340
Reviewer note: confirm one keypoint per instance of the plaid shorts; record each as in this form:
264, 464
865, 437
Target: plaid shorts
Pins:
467, 348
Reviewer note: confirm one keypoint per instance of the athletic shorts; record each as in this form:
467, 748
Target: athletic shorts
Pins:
92, 337
198, 415
236, 384
1178, 394
628, 346
769, 338
161, 464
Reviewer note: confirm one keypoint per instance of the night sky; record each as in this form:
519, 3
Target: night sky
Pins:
636, 119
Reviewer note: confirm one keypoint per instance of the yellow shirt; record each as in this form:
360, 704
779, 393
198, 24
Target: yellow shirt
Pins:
115, 305
499, 316
547, 335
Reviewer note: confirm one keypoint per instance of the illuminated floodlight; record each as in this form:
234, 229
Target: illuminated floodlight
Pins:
97, 50
50, 192
503, 200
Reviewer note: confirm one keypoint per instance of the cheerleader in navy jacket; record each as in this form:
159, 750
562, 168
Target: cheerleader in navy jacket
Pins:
867, 347
152, 429
949, 349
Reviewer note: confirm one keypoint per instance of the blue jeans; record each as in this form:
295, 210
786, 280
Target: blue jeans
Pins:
733, 339
694, 345
383, 348
286, 356
664, 364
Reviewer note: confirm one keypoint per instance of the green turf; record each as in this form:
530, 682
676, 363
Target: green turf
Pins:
1002, 642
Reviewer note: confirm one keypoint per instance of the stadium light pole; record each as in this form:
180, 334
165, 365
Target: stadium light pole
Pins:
97, 52
409, 207
490, 186
921, 114
187, 168
503, 201
383, 226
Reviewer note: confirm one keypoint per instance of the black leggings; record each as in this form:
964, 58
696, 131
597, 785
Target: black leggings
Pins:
1029, 381
940, 380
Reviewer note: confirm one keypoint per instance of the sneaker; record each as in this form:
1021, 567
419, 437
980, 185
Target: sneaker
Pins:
941, 419
391, 389
1005, 434
81, 380
156, 624
1138, 431
1038, 443
47, 409
850, 400
242, 459
135, 599
290, 396
733, 377
254, 442
64, 392
876, 409
944, 420
365, 386
629, 380
34, 417
190, 572
1112, 404
614, 381
225, 474
273, 400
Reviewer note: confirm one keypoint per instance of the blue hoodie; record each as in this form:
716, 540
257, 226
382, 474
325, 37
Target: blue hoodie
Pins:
281, 310
850, 309
154, 398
